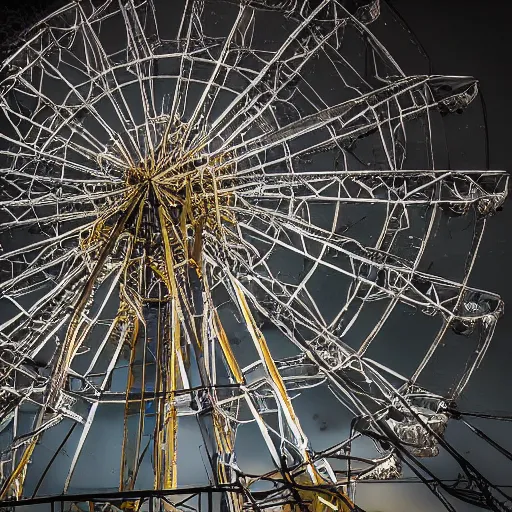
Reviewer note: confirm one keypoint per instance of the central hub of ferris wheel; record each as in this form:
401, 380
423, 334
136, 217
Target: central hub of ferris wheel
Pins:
180, 177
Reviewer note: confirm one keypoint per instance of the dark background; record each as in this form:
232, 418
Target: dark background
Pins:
474, 38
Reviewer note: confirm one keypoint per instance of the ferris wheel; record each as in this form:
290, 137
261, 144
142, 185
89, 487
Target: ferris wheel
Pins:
212, 215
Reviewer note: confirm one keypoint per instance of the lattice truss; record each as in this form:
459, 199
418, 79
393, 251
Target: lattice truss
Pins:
186, 190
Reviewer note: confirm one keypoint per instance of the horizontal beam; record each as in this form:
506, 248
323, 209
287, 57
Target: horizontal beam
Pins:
103, 497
